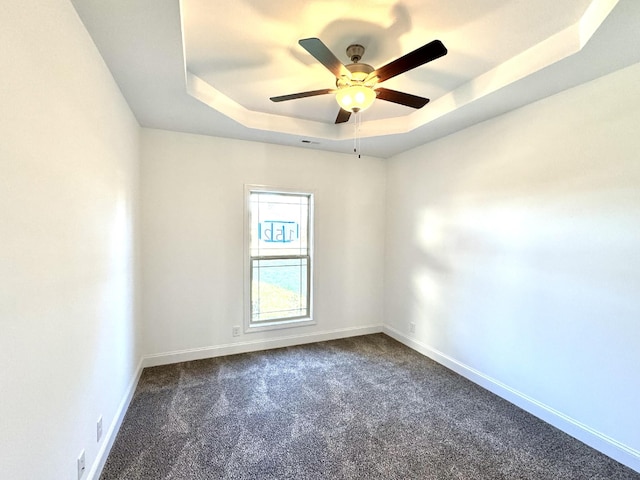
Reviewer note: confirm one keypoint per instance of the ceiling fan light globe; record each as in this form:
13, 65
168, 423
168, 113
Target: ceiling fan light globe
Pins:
355, 98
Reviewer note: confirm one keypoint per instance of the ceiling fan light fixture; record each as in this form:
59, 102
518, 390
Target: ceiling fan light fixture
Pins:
355, 98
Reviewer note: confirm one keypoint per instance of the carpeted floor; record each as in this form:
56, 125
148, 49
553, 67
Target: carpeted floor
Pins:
359, 408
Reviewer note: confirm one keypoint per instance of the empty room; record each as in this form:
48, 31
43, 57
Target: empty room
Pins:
370, 239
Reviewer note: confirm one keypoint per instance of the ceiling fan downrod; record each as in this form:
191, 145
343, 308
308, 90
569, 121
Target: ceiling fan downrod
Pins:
355, 52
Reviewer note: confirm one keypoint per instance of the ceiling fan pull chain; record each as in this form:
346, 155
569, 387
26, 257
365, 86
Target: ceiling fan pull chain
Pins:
355, 134
359, 120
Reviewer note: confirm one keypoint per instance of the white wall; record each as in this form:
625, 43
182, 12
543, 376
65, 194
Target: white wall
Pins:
68, 176
514, 247
192, 196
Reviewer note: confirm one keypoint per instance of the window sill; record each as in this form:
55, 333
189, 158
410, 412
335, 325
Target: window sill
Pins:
279, 324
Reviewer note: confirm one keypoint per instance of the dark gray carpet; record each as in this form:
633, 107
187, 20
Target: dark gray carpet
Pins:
360, 408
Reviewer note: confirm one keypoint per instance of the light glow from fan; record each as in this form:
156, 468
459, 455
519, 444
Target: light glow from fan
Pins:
355, 98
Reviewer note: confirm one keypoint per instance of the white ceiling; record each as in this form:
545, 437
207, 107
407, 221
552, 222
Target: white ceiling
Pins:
209, 67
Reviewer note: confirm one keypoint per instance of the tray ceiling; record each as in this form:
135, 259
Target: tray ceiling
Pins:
209, 67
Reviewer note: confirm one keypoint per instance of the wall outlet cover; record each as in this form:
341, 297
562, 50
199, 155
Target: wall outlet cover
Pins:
81, 465
99, 429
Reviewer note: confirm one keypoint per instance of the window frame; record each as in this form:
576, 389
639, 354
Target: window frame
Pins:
309, 319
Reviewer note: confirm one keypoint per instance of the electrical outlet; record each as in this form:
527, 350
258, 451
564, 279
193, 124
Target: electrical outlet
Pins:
99, 429
412, 327
235, 331
81, 465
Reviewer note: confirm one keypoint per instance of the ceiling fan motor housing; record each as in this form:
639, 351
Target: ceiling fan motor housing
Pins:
359, 73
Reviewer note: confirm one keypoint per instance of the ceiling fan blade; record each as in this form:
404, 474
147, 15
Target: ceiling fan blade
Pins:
343, 116
401, 98
322, 53
293, 96
420, 56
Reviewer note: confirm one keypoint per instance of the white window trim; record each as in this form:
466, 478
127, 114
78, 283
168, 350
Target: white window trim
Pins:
250, 327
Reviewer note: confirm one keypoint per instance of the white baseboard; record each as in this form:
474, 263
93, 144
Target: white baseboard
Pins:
112, 431
255, 345
597, 440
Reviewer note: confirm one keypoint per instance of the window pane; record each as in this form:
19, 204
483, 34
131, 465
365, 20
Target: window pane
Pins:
279, 224
279, 289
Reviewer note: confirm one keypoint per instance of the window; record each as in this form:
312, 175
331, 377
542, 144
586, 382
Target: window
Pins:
278, 277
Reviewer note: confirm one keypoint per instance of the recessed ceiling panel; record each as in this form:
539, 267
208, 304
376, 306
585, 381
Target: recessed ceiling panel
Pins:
248, 49
209, 67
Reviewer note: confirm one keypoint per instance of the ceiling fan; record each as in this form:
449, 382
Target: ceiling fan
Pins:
357, 83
